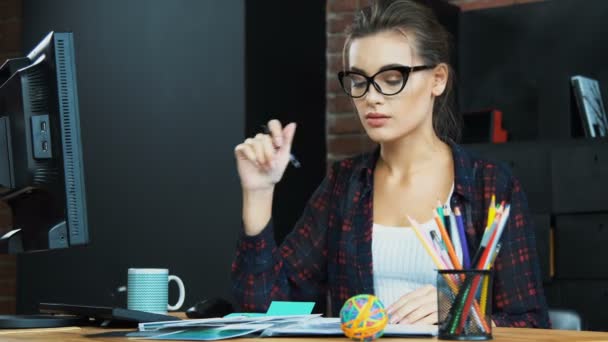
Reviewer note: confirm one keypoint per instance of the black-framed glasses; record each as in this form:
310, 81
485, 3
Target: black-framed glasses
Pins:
388, 82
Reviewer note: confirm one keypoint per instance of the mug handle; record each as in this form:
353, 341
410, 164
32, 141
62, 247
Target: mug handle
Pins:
182, 293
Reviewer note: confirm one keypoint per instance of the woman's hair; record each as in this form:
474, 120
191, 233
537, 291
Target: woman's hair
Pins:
431, 42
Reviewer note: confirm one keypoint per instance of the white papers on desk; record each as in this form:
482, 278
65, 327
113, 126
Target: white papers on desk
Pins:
220, 322
211, 333
297, 325
322, 326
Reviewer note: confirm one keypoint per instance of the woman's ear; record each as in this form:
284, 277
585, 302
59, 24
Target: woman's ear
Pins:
440, 79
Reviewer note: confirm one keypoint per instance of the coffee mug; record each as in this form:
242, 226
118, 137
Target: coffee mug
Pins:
148, 290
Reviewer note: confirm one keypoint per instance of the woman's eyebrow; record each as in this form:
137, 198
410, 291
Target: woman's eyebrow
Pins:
391, 66
354, 68
383, 68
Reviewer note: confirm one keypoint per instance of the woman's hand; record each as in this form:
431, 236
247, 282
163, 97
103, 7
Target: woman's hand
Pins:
262, 160
416, 307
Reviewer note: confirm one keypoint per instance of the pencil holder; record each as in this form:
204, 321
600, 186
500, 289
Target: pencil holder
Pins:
464, 299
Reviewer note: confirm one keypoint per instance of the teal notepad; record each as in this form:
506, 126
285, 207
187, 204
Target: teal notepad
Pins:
278, 308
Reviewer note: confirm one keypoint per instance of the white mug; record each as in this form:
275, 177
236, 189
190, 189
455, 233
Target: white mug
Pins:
148, 290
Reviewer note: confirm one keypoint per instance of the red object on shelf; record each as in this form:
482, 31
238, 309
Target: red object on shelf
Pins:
483, 126
499, 134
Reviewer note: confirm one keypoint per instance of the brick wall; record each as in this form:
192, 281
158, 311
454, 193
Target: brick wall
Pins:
345, 135
10, 46
10, 29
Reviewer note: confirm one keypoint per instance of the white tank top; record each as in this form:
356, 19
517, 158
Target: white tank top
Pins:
400, 262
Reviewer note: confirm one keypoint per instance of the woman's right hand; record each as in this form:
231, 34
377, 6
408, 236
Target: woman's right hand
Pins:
262, 160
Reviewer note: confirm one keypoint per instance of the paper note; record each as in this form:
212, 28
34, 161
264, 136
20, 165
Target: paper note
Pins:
279, 308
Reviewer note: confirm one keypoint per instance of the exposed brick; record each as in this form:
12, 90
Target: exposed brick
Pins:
368, 144
6, 259
10, 36
344, 124
6, 216
8, 271
334, 64
8, 288
335, 43
10, 10
333, 85
347, 145
340, 104
333, 74
344, 144
339, 23
342, 5
8, 306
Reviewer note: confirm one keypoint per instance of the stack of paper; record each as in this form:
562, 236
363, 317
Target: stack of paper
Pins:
331, 326
214, 328
265, 326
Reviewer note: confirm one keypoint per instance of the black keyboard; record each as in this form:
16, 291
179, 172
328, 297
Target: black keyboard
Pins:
106, 315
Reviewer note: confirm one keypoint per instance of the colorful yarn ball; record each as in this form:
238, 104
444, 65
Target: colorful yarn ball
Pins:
363, 317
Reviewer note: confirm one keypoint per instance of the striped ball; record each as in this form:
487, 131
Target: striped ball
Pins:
363, 317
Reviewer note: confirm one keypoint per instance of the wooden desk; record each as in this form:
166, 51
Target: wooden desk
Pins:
500, 335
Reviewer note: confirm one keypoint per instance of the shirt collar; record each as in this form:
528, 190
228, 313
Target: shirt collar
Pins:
464, 169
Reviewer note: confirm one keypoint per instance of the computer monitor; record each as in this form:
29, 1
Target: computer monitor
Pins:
41, 166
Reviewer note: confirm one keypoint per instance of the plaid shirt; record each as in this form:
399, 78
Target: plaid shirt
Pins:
330, 247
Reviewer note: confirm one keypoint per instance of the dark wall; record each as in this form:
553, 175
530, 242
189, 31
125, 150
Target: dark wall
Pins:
520, 58
286, 81
162, 105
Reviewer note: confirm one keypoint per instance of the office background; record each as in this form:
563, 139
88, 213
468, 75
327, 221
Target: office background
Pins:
167, 89
166, 94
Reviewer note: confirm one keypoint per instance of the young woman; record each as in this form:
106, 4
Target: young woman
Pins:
354, 236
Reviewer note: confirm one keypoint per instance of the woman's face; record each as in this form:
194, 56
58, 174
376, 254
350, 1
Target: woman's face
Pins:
386, 118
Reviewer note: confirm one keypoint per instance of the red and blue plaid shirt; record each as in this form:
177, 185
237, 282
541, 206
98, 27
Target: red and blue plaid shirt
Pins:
330, 248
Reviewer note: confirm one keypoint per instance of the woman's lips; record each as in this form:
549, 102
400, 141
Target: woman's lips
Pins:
376, 119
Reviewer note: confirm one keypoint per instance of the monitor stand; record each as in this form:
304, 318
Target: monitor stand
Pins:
38, 321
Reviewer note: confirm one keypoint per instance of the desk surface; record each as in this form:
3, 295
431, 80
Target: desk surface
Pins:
96, 334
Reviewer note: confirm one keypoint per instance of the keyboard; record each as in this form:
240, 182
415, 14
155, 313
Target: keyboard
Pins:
106, 315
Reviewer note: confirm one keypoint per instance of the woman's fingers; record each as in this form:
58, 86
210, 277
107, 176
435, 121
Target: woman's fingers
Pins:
430, 319
267, 148
288, 133
263, 149
407, 308
421, 313
419, 292
401, 301
244, 151
276, 132
258, 147
258, 150
413, 306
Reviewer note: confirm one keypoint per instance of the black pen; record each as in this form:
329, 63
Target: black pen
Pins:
292, 159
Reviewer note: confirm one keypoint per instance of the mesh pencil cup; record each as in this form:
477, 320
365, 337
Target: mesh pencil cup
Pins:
464, 299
